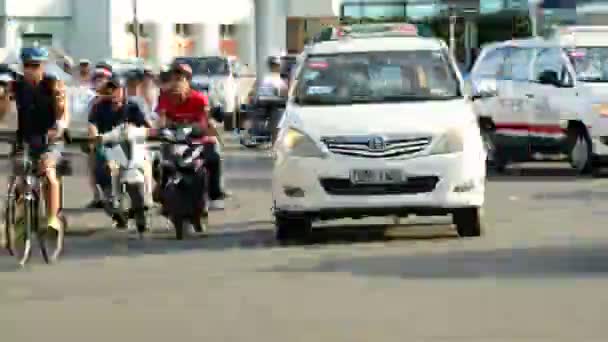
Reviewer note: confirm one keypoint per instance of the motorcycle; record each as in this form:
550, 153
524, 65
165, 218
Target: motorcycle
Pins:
181, 179
262, 117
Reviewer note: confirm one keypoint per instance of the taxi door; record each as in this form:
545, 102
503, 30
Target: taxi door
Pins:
516, 105
556, 100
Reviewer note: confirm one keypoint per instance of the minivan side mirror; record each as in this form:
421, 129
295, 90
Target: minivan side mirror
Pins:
549, 77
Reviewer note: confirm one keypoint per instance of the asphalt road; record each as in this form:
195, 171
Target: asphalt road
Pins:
539, 274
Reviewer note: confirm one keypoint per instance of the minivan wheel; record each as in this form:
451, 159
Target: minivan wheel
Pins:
291, 228
581, 153
468, 222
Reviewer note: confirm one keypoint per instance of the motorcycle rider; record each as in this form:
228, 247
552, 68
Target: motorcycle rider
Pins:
271, 85
42, 117
113, 110
99, 80
184, 105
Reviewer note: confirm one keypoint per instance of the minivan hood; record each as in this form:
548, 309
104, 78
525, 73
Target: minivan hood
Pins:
430, 117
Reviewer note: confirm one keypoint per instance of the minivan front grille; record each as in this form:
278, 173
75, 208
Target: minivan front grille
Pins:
376, 146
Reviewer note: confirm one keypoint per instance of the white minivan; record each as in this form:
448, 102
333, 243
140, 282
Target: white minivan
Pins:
377, 125
537, 101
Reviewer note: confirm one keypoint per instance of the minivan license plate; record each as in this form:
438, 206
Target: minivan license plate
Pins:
376, 176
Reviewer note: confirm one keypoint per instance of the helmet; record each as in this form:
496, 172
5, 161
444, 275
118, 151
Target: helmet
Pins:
134, 76
182, 69
274, 61
34, 54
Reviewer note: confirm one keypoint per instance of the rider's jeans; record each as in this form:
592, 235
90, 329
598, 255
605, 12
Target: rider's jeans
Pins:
214, 169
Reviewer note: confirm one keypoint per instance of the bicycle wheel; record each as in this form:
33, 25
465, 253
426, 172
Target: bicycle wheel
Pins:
49, 239
21, 235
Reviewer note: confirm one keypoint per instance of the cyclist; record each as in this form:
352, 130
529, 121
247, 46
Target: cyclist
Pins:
184, 105
113, 110
42, 117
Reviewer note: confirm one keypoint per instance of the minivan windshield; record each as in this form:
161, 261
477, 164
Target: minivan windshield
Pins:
590, 63
376, 77
206, 65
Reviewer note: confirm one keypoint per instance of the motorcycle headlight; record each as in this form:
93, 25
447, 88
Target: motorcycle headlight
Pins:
299, 144
451, 141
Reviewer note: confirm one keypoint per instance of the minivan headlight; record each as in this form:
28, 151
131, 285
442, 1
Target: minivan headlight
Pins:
299, 144
451, 141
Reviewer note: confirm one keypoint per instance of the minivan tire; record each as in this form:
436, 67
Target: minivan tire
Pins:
468, 222
292, 228
580, 135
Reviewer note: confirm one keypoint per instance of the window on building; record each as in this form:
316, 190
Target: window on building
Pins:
183, 29
227, 31
130, 28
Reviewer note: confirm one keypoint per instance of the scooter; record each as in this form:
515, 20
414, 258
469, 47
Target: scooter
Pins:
121, 156
182, 179
262, 118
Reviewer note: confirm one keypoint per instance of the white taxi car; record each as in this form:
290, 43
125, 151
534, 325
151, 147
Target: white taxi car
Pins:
543, 99
377, 125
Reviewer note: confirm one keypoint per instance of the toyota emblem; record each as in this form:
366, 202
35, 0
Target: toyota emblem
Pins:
376, 144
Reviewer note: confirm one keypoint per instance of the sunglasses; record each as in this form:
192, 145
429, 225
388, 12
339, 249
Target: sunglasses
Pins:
31, 65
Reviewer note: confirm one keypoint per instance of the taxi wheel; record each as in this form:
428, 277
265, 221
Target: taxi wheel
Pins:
581, 153
292, 229
468, 222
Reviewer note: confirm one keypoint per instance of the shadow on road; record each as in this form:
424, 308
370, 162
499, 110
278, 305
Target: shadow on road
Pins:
242, 235
536, 174
504, 263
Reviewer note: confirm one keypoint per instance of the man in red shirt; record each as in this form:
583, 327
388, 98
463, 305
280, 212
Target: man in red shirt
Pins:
184, 105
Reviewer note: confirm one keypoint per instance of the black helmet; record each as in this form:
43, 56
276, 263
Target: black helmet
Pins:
274, 61
135, 76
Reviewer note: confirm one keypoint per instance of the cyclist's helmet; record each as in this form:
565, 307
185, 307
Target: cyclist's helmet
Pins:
274, 61
34, 55
181, 69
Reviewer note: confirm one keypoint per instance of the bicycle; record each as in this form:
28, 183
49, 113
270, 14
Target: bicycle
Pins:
25, 189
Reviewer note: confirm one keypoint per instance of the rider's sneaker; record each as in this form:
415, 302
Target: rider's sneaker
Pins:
119, 222
53, 222
216, 205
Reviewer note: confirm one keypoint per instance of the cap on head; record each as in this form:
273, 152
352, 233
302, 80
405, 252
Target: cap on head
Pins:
100, 72
103, 65
68, 63
34, 55
84, 62
181, 69
113, 83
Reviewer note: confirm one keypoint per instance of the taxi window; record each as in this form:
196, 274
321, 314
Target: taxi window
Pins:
550, 59
516, 66
490, 64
